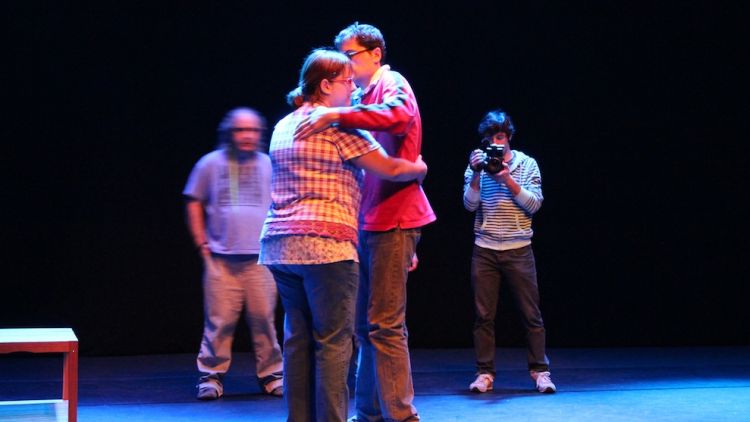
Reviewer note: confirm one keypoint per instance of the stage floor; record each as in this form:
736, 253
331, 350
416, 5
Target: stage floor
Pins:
608, 384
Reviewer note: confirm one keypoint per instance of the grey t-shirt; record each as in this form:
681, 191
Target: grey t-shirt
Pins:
236, 197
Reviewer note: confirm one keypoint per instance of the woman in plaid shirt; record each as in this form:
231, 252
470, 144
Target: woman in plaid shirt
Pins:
309, 239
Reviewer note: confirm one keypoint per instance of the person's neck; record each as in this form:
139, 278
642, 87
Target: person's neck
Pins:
322, 102
244, 155
364, 81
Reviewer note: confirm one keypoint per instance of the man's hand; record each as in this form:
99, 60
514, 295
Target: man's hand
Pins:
421, 164
317, 121
476, 158
503, 175
414, 262
203, 250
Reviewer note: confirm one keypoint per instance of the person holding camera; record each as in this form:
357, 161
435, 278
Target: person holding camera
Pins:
504, 188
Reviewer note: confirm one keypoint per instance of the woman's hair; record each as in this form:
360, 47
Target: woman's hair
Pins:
320, 64
496, 121
224, 130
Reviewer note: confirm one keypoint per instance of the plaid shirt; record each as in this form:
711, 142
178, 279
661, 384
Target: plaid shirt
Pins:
315, 189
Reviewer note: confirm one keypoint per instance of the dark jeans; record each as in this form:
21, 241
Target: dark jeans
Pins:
319, 301
516, 269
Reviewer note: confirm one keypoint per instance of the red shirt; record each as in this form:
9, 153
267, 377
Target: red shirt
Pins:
388, 108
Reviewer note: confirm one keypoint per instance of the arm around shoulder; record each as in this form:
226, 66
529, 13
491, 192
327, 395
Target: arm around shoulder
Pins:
395, 113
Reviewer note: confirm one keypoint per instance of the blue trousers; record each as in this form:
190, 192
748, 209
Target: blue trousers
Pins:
384, 384
319, 302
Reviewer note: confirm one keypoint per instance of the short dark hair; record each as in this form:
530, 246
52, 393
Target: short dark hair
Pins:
366, 35
496, 121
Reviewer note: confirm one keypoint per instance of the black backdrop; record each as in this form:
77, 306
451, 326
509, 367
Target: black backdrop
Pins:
636, 114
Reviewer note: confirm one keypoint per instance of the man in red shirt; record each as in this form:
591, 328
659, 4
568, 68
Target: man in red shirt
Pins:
391, 217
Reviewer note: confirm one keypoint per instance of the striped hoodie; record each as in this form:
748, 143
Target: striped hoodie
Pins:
503, 221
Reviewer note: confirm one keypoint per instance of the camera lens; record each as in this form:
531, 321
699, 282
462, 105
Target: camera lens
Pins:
493, 165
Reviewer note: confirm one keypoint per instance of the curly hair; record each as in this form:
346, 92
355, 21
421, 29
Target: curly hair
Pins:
496, 121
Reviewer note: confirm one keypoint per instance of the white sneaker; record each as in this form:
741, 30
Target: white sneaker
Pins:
543, 382
482, 384
210, 389
275, 388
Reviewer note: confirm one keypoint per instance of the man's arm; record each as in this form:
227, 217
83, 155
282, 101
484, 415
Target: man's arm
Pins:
390, 168
395, 114
196, 222
503, 177
529, 196
471, 180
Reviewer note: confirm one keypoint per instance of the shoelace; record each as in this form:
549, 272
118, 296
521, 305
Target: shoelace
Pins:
485, 379
543, 378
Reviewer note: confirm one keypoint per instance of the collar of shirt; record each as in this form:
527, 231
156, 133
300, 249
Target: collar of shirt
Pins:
513, 163
375, 78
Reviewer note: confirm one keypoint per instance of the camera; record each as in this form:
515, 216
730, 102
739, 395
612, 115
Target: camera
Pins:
493, 164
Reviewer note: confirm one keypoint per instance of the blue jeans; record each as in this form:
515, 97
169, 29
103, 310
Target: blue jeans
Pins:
384, 385
319, 302
517, 269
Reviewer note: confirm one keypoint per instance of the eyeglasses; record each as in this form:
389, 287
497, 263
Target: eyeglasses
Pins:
347, 81
246, 129
351, 54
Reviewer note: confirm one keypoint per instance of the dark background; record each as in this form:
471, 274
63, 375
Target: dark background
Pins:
636, 113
